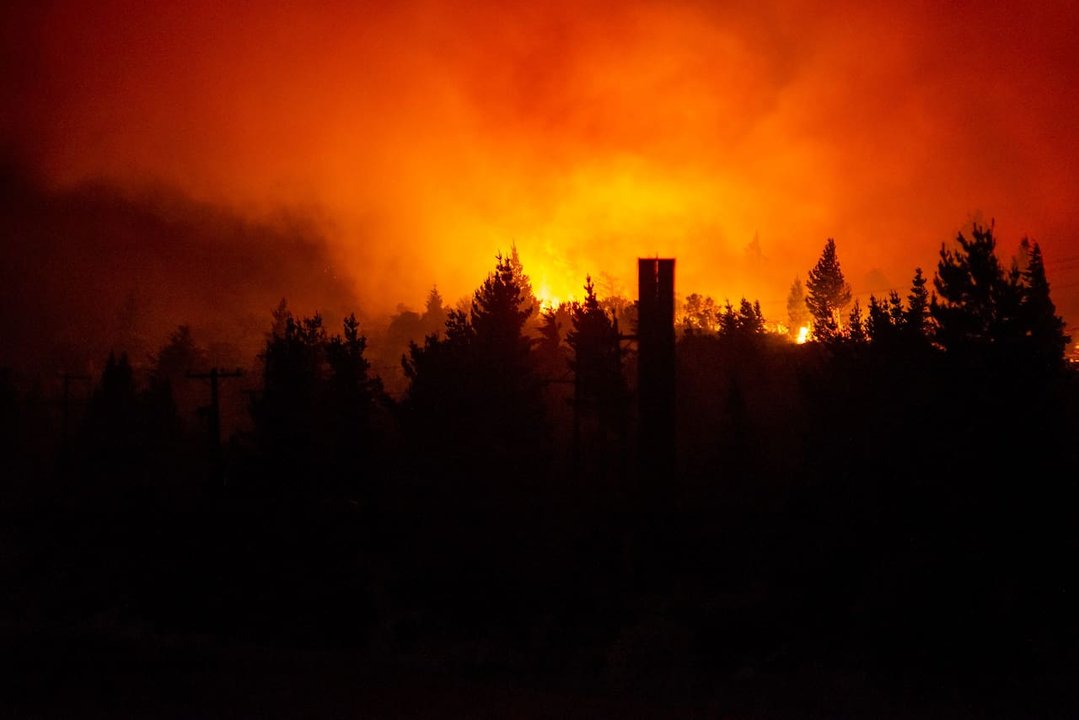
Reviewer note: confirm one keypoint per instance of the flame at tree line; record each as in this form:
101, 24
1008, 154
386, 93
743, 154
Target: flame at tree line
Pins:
151, 262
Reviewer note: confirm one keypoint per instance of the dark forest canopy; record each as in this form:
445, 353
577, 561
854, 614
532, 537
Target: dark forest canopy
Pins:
894, 497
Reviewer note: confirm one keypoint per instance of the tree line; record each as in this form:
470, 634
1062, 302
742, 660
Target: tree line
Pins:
893, 494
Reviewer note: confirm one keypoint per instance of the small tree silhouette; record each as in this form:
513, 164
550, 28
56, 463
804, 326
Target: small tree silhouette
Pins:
855, 326
1043, 327
916, 316
744, 325
435, 313
600, 388
828, 293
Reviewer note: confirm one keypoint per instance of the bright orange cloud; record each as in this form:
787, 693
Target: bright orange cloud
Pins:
424, 136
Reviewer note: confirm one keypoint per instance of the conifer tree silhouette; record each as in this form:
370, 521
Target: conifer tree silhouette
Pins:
600, 388
1043, 327
916, 316
827, 293
476, 392
977, 302
312, 416
434, 313
855, 326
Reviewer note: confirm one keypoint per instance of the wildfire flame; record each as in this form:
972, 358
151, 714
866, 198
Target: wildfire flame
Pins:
547, 301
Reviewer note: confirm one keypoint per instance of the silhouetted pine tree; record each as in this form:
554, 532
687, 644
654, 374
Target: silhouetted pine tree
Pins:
600, 388
827, 293
1043, 326
474, 395
286, 428
978, 303
350, 396
916, 316
855, 327
528, 301
879, 326
312, 416
551, 360
728, 321
500, 309
750, 320
896, 311
743, 326
435, 313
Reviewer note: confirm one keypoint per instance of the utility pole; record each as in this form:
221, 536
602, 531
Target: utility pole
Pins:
213, 413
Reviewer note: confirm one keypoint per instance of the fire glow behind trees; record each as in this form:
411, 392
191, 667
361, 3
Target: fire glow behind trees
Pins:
423, 138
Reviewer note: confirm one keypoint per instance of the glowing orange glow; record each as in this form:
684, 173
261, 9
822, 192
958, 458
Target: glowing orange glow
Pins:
424, 138
803, 335
547, 301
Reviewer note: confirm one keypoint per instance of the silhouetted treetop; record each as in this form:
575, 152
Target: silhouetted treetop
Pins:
856, 332
699, 315
978, 302
745, 323
499, 313
827, 293
313, 416
548, 348
596, 344
179, 355
916, 316
889, 325
879, 326
477, 387
435, 312
528, 299
1043, 326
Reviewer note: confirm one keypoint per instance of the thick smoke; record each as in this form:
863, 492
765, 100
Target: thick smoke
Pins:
432, 134
91, 270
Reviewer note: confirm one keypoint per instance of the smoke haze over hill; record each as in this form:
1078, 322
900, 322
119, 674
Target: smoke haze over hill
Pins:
421, 137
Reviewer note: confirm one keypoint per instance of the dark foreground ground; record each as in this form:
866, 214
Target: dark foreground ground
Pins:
98, 621
113, 677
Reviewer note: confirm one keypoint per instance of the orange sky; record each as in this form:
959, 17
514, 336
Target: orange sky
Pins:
425, 136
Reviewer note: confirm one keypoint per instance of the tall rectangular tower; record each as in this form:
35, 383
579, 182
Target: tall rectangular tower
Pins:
656, 380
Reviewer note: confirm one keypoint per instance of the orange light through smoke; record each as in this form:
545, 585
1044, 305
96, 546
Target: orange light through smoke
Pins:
424, 139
